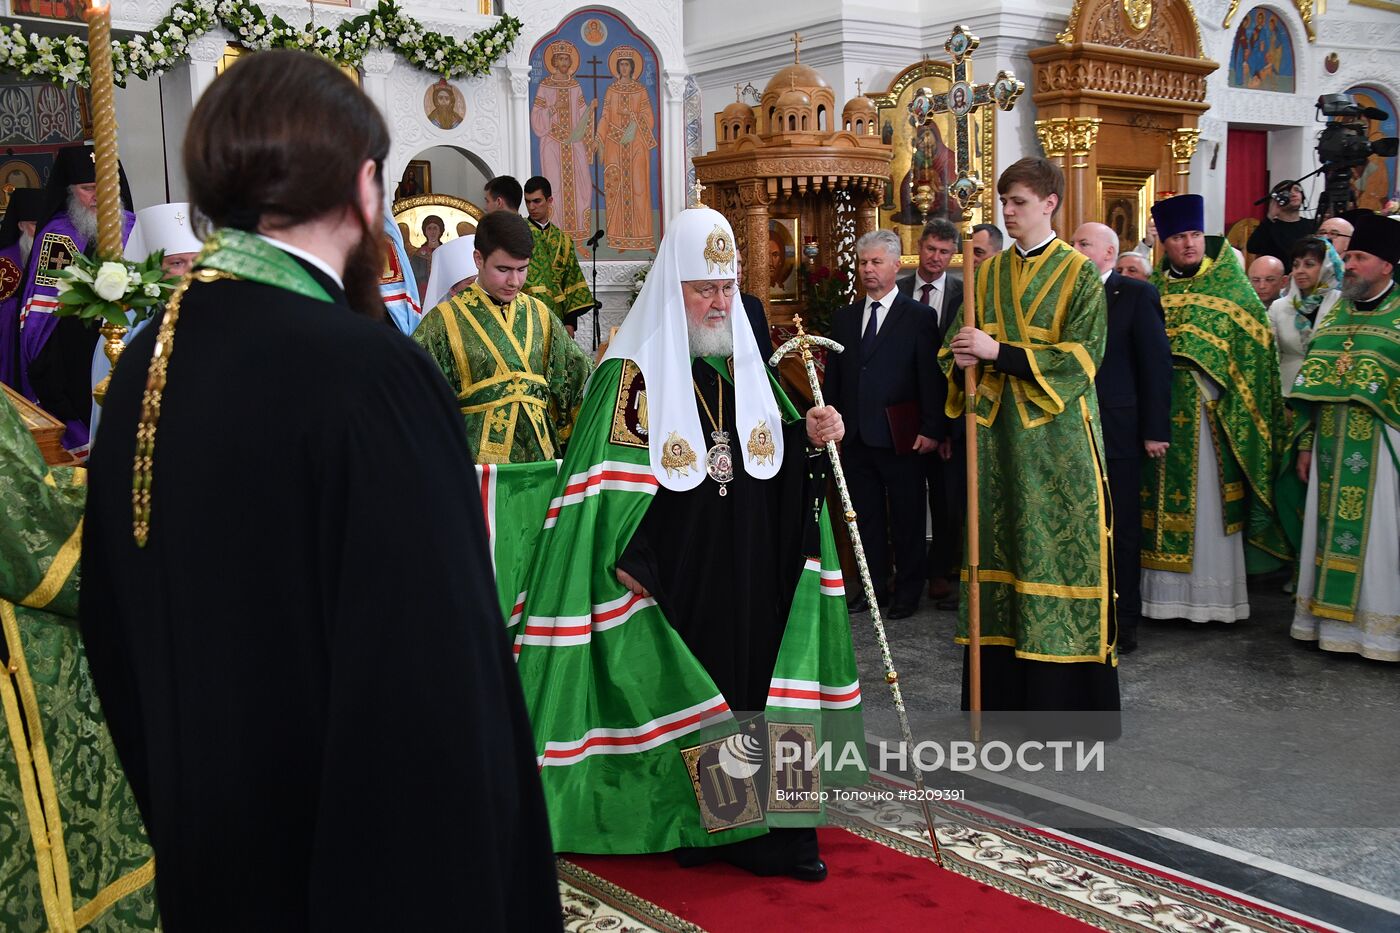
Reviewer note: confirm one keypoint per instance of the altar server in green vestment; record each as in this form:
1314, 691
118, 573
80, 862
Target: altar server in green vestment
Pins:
1208, 510
1048, 631
518, 375
73, 850
1347, 394
555, 277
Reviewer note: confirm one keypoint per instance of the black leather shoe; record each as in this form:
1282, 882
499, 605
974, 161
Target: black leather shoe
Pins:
858, 604
813, 870
1127, 647
899, 611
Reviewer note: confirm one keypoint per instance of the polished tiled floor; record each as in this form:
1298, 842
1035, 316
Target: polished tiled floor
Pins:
1248, 759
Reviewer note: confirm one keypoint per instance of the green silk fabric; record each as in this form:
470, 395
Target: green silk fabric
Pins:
1043, 500
1347, 390
518, 375
554, 276
1219, 328
73, 850
247, 256
638, 679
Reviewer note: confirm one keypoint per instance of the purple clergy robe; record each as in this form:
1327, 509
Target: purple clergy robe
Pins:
54, 247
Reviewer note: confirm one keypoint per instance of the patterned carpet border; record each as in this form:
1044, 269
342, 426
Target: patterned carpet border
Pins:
593, 904
1089, 886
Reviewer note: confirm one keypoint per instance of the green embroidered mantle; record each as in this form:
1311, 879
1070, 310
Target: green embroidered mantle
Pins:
1218, 329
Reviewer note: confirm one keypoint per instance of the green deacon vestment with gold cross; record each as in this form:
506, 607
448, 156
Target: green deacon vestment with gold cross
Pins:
554, 276
1219, 329
1347, 395
73, 850
1043, 510
518, 375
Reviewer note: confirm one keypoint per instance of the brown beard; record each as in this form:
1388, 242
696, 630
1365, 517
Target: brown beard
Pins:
363, 268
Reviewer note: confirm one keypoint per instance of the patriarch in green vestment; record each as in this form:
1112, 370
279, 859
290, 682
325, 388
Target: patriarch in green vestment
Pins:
686, 588
1208, 510
1048, 631
1346, 471
517, 373
555, 277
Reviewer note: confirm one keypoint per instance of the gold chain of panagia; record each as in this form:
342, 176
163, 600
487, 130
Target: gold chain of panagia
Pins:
717, 425
150, 407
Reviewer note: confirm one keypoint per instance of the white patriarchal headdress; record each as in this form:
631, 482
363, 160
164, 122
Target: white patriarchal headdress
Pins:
698, 246
453, 261
166, 227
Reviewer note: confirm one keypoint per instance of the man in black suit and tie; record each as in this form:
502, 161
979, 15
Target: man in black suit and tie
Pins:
887, 384
942, 291
1134, 387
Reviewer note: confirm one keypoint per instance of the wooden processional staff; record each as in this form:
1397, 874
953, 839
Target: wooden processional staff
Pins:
961, 99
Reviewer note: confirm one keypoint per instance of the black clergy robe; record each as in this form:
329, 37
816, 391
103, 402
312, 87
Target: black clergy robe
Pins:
305, 670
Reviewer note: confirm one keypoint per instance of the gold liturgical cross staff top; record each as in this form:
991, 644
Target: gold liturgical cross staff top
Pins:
961, 99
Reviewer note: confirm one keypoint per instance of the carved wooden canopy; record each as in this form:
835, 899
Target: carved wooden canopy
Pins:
1142, 53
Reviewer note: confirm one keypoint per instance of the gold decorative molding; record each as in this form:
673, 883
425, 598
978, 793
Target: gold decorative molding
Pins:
1138, 12
1307, 9
1230, 14
1388, 5
1054, 136
1083, 135
1183, 145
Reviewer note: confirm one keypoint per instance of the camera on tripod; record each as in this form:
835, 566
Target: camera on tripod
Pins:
1344, 144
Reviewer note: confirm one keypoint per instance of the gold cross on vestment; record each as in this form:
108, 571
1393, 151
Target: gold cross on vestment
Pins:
499, 422
1181, 419
1177, 498
961, 100
60, 261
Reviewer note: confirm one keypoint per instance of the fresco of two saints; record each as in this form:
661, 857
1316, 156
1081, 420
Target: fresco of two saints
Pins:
600, 154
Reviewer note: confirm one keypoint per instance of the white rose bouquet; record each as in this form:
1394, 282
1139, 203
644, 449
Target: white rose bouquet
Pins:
106, 290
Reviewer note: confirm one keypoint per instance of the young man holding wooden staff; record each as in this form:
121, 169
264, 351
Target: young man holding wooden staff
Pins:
1042, 520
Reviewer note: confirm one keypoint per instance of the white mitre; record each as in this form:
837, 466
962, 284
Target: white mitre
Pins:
698, 246
167, 227
453, 261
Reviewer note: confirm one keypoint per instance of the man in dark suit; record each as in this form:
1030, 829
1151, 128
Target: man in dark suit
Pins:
942, 291
1134, 387
887, 383
758, 317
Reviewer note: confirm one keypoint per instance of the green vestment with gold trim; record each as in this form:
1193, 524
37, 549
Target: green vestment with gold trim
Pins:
1346, 393
1219, 331
1043, 500
518, 375
554, 276
73, 850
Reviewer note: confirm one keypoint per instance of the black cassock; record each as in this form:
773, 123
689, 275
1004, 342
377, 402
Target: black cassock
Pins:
305, 670
723, 569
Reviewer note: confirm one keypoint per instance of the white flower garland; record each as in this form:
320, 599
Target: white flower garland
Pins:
63, 59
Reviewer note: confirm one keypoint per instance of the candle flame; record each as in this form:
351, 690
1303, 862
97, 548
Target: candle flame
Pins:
98, 5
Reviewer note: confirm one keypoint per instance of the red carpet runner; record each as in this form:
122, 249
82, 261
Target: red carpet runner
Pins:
871, 887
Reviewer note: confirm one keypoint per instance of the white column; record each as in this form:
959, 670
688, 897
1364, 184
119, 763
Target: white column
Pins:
517, 160
673, 163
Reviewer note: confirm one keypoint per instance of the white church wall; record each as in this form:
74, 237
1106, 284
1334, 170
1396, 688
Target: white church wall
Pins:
660, 21
139, 113
495, 130
1368, 44
731, 42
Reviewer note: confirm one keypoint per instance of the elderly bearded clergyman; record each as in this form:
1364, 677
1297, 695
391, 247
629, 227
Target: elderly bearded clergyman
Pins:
687, 586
